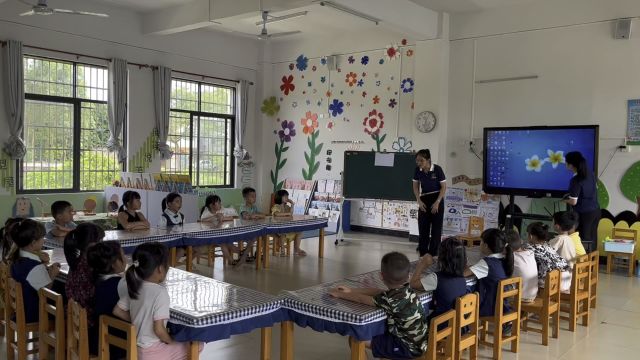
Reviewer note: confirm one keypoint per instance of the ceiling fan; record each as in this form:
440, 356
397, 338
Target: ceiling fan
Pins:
41, 8
264, 34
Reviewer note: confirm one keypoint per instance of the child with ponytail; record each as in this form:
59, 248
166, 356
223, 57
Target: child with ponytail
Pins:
129, 218
147, 300
497, 265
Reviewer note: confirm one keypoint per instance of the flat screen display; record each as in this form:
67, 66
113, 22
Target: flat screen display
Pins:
531, 160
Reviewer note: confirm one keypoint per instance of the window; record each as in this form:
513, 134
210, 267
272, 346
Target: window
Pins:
201, 133
65, 127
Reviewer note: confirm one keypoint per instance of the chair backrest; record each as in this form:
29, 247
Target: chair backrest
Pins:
4, 276
509, 291
442, 329
77, 332
551, 288
580, 279
594, 260
128, 344
467, 320
476, 226
582, 258
15, 302
51, 305
624, 234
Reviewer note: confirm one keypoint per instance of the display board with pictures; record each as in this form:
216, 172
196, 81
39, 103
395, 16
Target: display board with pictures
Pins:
460, 204
327, 202
396, 215
300, 193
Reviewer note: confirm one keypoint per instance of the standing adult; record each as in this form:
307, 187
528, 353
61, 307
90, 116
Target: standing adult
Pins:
429, 187
583, 197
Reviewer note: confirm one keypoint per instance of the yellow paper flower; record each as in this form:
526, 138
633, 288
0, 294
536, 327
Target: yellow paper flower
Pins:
555, 158
534, 164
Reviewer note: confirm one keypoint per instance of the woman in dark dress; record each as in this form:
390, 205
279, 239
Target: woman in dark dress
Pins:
583, 197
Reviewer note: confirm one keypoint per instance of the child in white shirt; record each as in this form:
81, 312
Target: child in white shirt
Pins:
213, 212
563, 243
524, 265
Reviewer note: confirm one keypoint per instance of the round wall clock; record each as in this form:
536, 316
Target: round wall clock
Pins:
426, 121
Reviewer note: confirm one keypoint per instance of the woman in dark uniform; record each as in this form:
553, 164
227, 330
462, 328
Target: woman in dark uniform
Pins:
429, 187
583, 197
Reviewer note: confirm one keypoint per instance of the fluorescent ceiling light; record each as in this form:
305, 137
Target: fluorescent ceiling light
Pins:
283, 17
349, 11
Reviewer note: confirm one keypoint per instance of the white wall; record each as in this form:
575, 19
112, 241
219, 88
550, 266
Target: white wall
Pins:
585, 77
201, 51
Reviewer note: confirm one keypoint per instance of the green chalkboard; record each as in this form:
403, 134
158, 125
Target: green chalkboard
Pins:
364, 180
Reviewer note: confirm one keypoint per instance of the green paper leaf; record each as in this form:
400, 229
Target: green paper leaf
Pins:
603, 195
630, 182
276, 149
279, 187
306, 158
284, 149
304, 174
319, 149
273, 178
281, 165
309, 142
382, 138
316, 167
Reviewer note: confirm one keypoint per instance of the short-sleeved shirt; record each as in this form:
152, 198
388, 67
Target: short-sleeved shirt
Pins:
524, 266
280, 208
406, 317
563, 245
577, 243
32, 274
170, 218
50, 225
224, 211
130, 218
151, 305
585, 193
547, 260
246, 209
431, 180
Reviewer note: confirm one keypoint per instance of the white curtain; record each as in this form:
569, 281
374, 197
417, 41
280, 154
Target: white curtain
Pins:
14, 95
162, 98
241, 154
117, 105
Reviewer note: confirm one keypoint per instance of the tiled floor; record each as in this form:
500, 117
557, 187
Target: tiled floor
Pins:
614, 332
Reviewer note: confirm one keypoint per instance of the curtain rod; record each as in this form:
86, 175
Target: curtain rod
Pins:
141, 66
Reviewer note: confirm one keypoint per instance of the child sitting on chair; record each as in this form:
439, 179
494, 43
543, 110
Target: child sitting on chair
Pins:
62, 222
406, 333
563, 244
283, 207
249, 211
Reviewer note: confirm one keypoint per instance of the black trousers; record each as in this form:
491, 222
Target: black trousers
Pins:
588, 228
430, 226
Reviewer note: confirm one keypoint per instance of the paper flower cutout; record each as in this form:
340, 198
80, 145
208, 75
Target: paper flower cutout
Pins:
287, 84
351, 78
534, 163
270, 106
364, 60
373, 123
407, 85
335, 108
288, 131
309, 122
302, 62
392, 52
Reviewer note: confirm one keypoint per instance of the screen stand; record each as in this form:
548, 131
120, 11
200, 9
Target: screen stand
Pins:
508, 224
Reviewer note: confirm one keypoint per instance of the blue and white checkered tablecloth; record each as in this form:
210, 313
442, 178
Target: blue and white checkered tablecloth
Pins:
222, 235
198, 301
297, 224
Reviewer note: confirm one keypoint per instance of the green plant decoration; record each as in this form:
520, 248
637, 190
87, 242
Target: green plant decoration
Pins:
603, 194
270, 106
630, 182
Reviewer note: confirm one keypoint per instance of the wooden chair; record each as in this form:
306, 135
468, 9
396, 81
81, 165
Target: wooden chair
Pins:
594, 258
576, 303
474, 230
77, 332
467, 323
623, 234
510, 291
545, 307
127, 344
18, 329
4, 276
441, 340
51, 308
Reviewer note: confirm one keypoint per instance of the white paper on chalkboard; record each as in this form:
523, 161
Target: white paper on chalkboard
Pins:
385, 160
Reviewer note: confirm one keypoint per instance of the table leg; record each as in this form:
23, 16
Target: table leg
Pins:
286, 340
189, 258
609, 263
265, 244
193, 350
259, 242
321, 244
357, 349
265, 343
173, 260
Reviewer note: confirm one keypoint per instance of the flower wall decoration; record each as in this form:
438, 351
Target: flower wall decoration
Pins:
310, 123
372, 126
302, 63
270, 106
392, 52
402, 144
285, 135
335, 108
287, 85
407, 85
351, 79
364, 60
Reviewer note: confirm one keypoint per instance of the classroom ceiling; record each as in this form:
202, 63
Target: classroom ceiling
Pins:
457, 6
145, 5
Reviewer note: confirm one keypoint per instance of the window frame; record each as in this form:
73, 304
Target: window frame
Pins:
77, 130
231, 118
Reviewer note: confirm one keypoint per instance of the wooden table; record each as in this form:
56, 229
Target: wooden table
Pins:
313, 307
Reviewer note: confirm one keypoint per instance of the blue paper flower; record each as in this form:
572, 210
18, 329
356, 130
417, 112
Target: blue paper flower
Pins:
364, 60
323, 61
302, 62
407, 85
360, 83
351, 59
381, 61
323, 79
335, 108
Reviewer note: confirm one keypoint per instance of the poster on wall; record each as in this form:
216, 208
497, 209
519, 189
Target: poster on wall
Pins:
396, 215
366, 213
633, 122
461, 204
